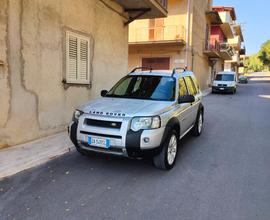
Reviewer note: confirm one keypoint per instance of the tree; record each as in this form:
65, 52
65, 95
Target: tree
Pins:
264, 53
254, 64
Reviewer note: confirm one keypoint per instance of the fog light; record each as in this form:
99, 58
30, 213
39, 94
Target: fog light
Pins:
146, 140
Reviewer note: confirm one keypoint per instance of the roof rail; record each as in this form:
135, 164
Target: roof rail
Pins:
178, 68
141, 68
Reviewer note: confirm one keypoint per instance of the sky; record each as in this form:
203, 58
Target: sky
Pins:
255, 19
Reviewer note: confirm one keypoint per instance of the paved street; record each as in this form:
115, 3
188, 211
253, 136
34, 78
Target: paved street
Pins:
224, 174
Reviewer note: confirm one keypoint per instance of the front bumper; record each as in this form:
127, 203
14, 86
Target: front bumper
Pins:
124, 142
222, 89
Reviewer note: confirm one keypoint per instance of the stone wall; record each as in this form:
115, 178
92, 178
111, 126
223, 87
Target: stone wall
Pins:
33, 100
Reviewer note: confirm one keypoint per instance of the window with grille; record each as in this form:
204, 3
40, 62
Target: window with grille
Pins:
77, 58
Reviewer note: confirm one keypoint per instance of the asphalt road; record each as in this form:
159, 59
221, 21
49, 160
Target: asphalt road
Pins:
224, 174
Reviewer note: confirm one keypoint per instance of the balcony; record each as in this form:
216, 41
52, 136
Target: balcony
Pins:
213, 17
226, 25
212, 48
243, 51
235, 42
152, 35
226, 51
238, 31
235, 59
147, 8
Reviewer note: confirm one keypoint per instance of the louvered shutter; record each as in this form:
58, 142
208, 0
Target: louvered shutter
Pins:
83, 62
77, 59
72, 62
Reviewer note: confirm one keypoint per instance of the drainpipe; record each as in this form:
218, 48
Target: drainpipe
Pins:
188, 31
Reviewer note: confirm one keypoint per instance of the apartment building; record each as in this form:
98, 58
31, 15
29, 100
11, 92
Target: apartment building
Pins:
57, 54
224, 41
175, 41
195, 35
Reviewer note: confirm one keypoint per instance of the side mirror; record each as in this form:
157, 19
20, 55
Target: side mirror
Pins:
186, 99
103, 93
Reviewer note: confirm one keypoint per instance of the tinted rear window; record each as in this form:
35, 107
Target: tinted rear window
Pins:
225, 77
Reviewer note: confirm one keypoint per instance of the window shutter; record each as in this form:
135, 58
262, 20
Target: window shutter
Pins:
77, 59
72, 59
83, 70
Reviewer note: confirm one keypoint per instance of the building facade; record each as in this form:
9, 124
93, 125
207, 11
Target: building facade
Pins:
56, 55
225, 42
196, 35
175, 41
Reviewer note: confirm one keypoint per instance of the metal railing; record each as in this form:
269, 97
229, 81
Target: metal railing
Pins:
212, 45
226, 47
164, 33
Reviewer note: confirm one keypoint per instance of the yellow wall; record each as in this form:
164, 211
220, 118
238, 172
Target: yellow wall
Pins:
33, 100
199, 61
137, 53
174, 25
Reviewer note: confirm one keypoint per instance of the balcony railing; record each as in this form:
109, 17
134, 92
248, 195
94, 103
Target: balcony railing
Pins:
212, 48
212, 45
226, 47
215, 49
226, 51
158, 34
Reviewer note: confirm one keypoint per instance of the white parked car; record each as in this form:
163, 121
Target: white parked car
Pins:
145, 114
225, 82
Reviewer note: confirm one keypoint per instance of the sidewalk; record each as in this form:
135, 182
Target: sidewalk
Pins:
21, 157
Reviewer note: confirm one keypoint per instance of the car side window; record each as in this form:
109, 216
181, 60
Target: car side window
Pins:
195, 81
182, 87
123, 87
190, 85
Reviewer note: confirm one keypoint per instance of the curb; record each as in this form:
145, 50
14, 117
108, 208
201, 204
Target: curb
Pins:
206, 92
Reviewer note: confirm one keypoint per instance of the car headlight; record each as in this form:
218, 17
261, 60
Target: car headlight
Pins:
76, 115
139, 123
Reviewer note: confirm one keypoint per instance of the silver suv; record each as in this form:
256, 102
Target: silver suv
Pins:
145, 114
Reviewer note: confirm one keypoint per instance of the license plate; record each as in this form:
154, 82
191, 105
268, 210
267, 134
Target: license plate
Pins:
99, 142
221, 88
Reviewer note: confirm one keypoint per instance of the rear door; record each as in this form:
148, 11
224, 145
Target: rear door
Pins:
193, 89
183, 110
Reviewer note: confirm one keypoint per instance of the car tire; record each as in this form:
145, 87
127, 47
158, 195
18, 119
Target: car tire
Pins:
197, 129
81, 151
165, 160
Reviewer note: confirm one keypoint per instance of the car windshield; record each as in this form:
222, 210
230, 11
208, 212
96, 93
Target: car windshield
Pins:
161, 88
225, 77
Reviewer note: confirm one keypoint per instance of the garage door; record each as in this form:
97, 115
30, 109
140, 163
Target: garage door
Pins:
157, 63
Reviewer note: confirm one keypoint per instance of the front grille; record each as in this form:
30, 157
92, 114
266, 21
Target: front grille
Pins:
222, 85
103, 124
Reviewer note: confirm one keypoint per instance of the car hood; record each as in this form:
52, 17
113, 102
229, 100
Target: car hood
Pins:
126, 107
